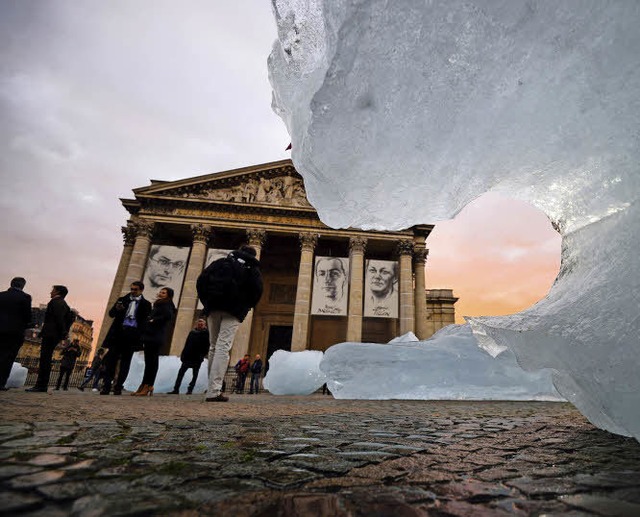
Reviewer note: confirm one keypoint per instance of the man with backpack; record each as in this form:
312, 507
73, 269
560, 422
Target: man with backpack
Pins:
228, 289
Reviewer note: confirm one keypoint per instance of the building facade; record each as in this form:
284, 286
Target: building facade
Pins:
322, 285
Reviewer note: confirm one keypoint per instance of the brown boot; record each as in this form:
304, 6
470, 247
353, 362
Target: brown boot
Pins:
142, 391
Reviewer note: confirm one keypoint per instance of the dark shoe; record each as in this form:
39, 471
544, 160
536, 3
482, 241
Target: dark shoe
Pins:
117, 391
189, 392
65, 389
80, 388
57, 388
219, 398
36, 389
103, 392
4, 388
174, 392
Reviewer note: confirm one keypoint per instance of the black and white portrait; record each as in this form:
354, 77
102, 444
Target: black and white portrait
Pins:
381, 289
330, 286
165, 268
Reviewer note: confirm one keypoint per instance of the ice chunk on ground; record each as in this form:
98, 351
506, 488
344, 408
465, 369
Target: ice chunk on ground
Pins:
17, 377
404, 115
449, 366
294, 373
167, 373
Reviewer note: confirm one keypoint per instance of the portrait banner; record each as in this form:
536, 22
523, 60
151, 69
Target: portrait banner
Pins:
165, 268
381, 289
213, 254
330, 286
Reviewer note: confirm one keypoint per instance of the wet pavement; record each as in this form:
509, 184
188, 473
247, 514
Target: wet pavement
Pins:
78, 453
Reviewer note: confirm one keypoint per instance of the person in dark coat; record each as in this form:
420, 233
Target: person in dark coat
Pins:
58, 319
70, 354
97, 371
228, 289
15, 316
196, 348
242, 369
154, 336
256, 370
130, 314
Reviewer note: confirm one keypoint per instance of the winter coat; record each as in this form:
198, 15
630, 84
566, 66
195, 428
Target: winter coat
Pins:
256, 367
15, 312
156, 330
196, 347
58, 319
242, 366
231, 284
114, 335
70, 353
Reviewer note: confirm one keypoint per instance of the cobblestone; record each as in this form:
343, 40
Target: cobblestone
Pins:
81, 454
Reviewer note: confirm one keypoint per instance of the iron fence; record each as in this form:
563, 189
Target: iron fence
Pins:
32, 364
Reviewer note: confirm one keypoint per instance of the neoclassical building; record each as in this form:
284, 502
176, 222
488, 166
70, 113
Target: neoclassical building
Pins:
321, 285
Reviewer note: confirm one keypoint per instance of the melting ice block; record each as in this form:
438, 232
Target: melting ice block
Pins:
294, 373
449, 366
402, 115
17, 377
167, 372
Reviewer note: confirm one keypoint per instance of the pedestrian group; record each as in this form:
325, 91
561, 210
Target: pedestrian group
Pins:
228, 289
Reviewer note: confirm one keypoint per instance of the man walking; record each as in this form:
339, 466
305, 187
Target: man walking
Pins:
228, 288
195, 350
256, 370
15, 315
129, 314
97, 371
57, 322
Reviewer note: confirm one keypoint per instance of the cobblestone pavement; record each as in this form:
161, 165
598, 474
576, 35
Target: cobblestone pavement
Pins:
77, 453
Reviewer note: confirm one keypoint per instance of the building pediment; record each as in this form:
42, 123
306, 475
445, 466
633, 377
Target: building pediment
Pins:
274, 184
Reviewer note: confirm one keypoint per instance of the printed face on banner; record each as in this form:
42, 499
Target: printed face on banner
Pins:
165, 268
330, 286
381, 289
213, 254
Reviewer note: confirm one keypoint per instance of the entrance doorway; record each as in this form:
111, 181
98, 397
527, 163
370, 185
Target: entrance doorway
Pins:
279, 339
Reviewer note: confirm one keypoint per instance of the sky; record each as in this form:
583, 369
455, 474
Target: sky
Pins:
97, 98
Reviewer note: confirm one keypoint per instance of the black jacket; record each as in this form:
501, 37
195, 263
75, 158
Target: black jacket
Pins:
256, 367
231, 284
70, 353
156, 331
196, 347
57, 320
115, 331
15, 311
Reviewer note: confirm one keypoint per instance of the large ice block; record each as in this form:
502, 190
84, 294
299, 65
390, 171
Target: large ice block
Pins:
403, 112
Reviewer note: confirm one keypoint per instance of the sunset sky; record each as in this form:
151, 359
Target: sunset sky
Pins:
97, 98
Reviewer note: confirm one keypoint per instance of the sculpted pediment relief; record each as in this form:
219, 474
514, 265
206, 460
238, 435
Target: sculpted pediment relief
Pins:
278, 191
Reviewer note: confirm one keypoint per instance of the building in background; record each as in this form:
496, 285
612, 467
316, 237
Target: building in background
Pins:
315, 278
81, 329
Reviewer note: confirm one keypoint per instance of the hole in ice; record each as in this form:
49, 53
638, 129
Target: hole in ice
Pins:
499, 255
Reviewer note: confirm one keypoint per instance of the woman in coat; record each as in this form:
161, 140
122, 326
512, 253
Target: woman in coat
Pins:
154, 336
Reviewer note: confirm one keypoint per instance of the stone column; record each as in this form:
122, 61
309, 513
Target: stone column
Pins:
357, 246
139, 255
419, 262
255, 238
308, 242
129, 235
189, 296
407, 317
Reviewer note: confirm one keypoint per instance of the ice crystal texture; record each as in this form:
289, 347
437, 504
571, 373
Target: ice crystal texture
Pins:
403, 112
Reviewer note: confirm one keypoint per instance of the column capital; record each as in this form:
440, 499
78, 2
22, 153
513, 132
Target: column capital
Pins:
357, 244
201, 232
256, 237
420, 255
144, 229
405, 247
128, 233
308, 241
